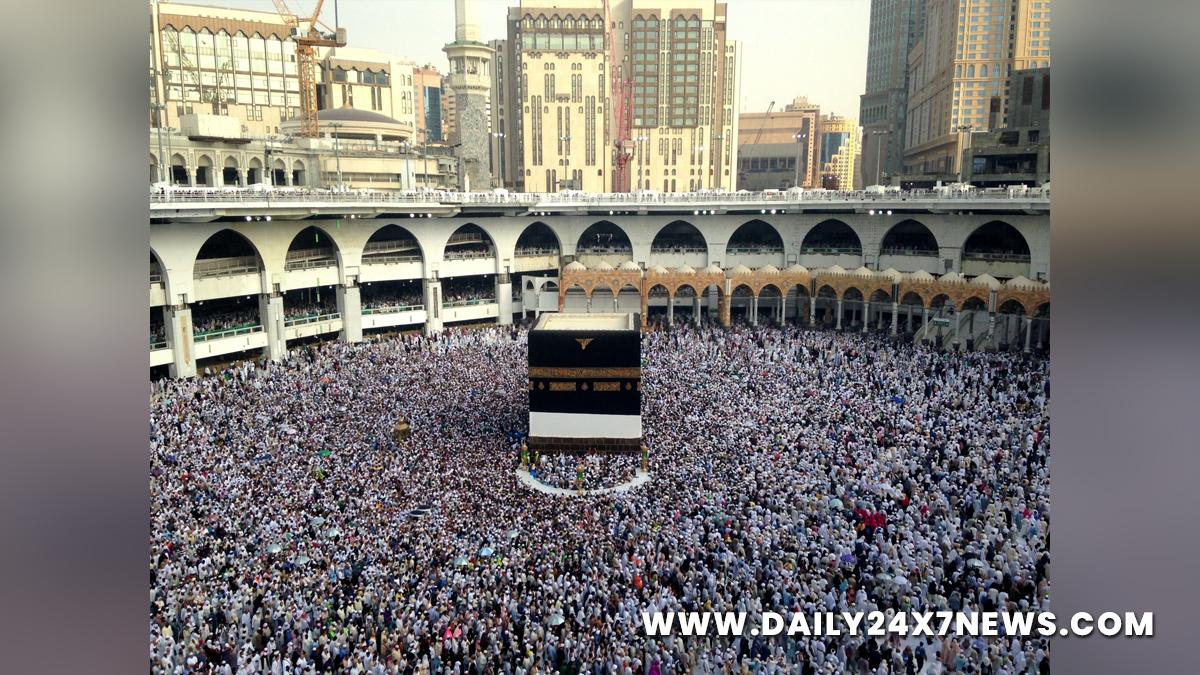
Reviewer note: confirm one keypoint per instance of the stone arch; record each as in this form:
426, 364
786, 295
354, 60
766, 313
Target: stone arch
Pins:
392, 243
312, 247
679, 236
996, 240
832, 236
231, 173
227, 251
179, 170
973, 303
940, 300
603, 237
755, 236
204, 171
912, 298
909, 237
469, 241
299, 175
1012, 306
254, 172
540, 236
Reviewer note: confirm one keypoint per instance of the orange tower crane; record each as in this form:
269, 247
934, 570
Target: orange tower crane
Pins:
307, 40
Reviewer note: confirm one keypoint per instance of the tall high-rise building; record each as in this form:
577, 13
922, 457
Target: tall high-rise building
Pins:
428, 104
895, 26
505, 117
958, 76
223, 62
839, 152
561, 87
470, 79
683, 70
366, 79
773, 144
677, 94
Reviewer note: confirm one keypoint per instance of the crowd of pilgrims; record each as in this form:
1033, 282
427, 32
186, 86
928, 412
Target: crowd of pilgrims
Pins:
791, 470
598, 471
225, 320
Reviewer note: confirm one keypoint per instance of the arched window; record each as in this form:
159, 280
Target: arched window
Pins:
971, 70
983, 70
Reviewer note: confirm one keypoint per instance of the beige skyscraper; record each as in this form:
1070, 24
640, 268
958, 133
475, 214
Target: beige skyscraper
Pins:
664, 120
840, 141
958, 75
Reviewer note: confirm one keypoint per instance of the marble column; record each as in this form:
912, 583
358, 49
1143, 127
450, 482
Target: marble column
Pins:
504, 299
349, 304
178, 327
433, 305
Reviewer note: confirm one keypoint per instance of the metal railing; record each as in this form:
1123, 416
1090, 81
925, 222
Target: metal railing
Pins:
468, 255
392, 309
908, 251
989, 256
453, 198
293, 265
226, 332
310, 318
753, 250
388, 259
221, 267
159, 344
469, 303
831, 250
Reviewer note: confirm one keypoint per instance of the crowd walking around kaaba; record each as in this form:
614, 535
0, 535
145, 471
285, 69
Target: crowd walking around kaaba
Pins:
791, 470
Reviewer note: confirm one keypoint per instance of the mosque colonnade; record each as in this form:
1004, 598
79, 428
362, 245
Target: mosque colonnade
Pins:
755, 264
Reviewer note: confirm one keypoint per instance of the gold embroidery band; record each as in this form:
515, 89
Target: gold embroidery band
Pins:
581, 373
607, 386
562, 386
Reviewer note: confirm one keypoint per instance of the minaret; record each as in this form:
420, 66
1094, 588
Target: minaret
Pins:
470, 79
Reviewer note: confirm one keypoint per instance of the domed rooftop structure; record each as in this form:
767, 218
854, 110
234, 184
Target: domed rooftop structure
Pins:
836, 269
739, 271
658, 269
603, 267
629, 266
796, 268
713, 268
1022, 282
920, 275
685, 269
575, 266
987, 281
863, 271
348, 123
769, 269
952, 278
893, 274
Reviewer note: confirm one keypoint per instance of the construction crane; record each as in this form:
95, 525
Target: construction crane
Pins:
307, 40
620, 89
757, 135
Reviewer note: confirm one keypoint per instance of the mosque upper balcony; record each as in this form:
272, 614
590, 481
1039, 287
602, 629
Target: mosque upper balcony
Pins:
292, 203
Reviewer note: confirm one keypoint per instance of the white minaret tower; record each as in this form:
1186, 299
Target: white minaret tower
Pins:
470, 79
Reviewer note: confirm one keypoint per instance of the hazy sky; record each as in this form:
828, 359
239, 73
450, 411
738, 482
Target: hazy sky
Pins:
814, 48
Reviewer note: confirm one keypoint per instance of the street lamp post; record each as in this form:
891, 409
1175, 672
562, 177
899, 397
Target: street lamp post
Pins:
337, 156
800, 138
159, 108
878, 134
641, 146
497, 157
967, 129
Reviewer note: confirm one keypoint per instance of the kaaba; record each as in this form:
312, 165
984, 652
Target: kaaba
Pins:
585, 384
